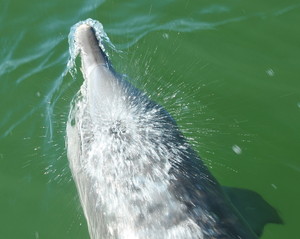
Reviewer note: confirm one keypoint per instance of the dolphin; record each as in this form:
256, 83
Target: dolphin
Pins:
136, 174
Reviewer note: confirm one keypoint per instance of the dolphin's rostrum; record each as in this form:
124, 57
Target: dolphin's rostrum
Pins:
136, 175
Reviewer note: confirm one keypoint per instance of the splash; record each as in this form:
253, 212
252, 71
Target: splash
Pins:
136, 175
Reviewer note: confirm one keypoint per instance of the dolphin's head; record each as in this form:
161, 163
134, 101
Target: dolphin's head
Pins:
104, 92
109, 109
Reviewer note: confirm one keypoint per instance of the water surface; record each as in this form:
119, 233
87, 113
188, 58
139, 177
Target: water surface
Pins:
227, 71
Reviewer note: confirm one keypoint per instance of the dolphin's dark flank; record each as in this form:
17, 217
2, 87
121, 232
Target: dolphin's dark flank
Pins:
136, 174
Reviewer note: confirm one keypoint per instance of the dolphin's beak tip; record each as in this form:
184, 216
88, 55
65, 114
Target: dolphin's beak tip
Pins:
85, 36
83, 27
83, 30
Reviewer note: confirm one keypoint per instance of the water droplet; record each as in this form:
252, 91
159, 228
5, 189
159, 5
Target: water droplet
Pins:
236, 149
274, 186
270, 72
166, 35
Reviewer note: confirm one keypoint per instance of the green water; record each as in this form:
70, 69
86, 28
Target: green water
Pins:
228, 71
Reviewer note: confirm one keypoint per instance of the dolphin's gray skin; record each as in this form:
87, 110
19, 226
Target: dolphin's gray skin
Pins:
136, 175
